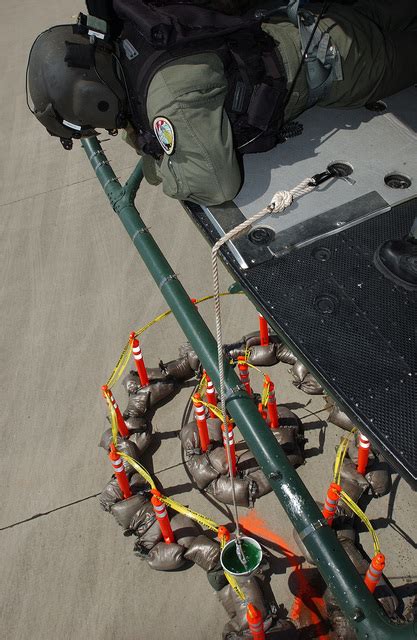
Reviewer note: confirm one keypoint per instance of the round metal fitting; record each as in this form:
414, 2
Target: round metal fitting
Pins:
322, 254
339, 169
378, 107
326, 303
261, 235
397, 181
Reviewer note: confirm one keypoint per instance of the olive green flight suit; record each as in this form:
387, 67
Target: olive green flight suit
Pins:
378, 49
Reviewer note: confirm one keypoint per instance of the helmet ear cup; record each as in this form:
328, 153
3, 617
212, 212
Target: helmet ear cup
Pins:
94, 104
74, 93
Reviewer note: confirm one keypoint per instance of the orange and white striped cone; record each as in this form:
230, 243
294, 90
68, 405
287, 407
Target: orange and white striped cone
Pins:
211, 395
244, 373
331, 502
255, 622
162, 517
374, 572
200, 416
121, 424
223, 533
272, 406
363, 454
228, 434
263, 331
138, 357
262, 411
120, 473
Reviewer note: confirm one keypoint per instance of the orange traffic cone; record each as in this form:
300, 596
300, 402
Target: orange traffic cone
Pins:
162, 517
263, 331
272, 405
228, 433
244, 373
200, 416
331, 502
262, 411
120, 472
138, 357
374, 572
363, 453
211, 395
255, 622
121, 424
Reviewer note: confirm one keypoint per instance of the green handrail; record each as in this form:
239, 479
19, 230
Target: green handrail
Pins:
355, 600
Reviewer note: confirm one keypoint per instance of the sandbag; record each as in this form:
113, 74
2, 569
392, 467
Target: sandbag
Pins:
379, 478
216, 578
204, 552
263, 356
221, 490
149, 538
262, 483
185, 530
193, 359
138, 424
161, 391
337, 416
112, 492
383, 592
130, 449
143, 518
247, 462
340, 627
252, 590
179, 369
190, 440
201, 470
141, 441
106, 439
349, 473
218, 460
165, 557
214, 427
125, 510
137, 405
304, 380
284, 354
253, 339
354, 491
235, 353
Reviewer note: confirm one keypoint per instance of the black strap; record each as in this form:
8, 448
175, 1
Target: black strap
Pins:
79, 55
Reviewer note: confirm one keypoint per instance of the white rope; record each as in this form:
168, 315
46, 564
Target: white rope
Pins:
280, 201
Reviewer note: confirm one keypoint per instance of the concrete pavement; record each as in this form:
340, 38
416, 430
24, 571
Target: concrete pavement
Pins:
72, 289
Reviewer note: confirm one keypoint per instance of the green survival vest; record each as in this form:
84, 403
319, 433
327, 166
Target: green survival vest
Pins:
153, 36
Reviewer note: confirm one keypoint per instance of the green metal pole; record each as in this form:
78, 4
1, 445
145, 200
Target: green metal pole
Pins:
356, 602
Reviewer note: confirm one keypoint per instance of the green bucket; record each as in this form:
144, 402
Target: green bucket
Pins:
251, 550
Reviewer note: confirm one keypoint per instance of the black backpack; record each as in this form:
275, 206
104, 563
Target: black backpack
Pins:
152, 34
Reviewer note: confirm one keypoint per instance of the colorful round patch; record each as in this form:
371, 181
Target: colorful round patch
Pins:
164, 131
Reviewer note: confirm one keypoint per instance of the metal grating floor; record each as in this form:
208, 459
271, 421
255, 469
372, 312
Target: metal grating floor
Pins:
351, 326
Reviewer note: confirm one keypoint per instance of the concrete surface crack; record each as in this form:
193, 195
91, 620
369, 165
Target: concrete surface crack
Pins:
46, 513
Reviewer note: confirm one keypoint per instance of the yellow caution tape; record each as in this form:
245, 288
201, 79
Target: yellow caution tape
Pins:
120, 366
138, 467
358, 511
235, 586
202, 387
198, 517
127, 351
341, 454
113, 421
217, 412
265, 393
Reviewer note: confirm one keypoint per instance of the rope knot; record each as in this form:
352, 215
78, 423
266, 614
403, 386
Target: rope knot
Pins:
280, 201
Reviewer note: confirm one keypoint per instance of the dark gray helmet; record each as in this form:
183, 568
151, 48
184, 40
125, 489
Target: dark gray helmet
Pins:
73, 82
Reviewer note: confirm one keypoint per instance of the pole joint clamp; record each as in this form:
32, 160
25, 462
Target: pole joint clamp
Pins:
311, 528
